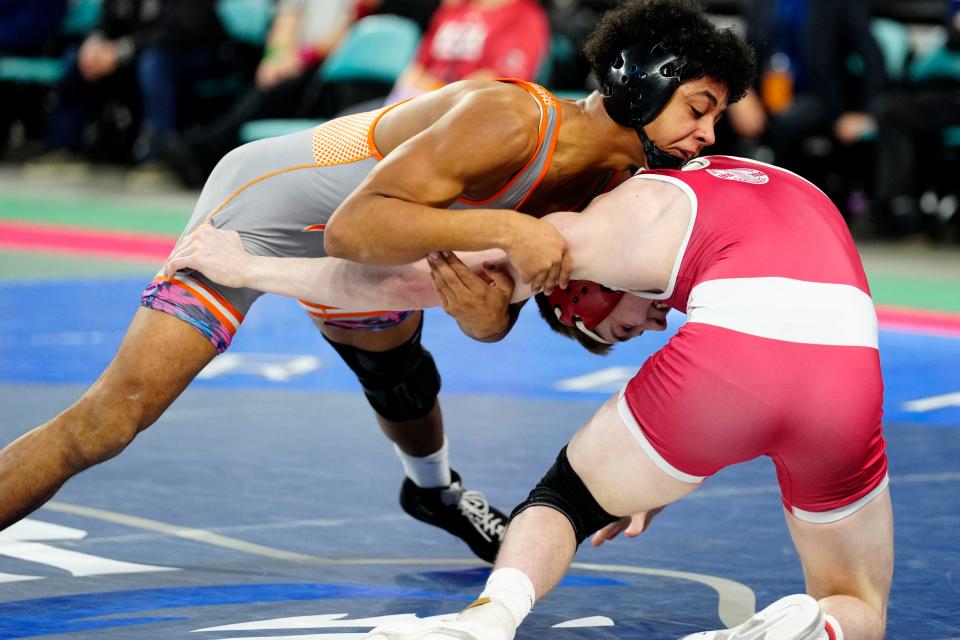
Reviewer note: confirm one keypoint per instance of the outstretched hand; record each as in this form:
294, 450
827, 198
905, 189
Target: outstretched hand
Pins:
631, 526
216, 253
477, 301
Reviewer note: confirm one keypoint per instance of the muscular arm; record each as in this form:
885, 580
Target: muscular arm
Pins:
469, 138
398, 213
628, 238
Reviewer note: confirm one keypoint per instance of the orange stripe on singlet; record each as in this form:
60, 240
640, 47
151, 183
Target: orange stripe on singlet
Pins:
345, 144
551, 149
374, 149
231, 324
546, 100
243, 188
327, 312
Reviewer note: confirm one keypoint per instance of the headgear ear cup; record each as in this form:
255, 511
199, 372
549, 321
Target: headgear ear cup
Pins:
584, 304
638, 86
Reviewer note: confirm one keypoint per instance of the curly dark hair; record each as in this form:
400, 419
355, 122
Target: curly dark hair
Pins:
588, 343
685, 30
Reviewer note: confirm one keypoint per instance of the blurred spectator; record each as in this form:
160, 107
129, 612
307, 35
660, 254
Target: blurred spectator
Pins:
303, 33
465, 39
158, 46
910, 124
803, 47
470, 39
26, 27
420, 11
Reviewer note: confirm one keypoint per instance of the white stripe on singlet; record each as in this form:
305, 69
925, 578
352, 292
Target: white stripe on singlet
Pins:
824, 517
787, 309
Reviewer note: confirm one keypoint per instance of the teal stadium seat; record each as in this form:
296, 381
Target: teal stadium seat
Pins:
378, 48
894, 43
951, 137
246, 20
939, 63
81, 17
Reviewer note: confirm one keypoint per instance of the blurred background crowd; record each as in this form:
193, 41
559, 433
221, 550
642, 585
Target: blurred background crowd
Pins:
860, 96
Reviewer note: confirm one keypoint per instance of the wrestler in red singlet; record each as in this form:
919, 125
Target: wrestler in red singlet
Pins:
779, 353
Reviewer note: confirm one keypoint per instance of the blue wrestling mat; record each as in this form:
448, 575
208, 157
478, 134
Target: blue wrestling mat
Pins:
263, 504
46, 335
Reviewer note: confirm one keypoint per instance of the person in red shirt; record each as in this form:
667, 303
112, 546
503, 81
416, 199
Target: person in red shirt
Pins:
478, 39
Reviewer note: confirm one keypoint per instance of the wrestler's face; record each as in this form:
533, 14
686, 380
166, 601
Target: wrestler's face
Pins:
685, 126
631, 317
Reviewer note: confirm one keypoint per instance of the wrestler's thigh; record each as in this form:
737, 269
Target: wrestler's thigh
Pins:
159, 356
615, 468
852, 556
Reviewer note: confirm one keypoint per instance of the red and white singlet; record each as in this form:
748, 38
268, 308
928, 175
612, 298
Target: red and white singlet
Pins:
779, 353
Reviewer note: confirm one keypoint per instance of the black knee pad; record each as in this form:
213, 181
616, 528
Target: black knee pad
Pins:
562, 489
400, 384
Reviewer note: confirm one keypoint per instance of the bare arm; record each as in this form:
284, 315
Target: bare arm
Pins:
481, 137
628, 238
219, 254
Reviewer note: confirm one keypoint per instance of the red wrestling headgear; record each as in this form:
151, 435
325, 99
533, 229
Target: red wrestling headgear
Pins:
584, 305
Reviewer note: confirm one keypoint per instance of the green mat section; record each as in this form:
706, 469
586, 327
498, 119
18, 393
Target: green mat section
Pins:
95, 214
27, 265
889, 288
928, 293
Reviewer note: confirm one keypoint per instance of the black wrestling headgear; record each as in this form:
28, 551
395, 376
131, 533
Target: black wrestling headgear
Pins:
638, 86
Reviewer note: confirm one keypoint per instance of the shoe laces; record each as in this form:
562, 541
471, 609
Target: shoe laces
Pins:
475, 508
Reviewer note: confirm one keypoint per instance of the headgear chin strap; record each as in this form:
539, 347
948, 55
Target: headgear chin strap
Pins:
637, 87
584, 304
656, 158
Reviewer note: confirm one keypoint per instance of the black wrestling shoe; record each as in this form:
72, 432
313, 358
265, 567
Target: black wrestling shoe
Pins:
465, 514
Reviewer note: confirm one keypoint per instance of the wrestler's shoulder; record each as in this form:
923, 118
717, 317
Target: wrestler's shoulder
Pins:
503, 100
489, 114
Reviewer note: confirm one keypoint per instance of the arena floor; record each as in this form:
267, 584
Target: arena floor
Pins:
264, 503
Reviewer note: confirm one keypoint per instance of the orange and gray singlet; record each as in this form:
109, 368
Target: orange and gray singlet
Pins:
278, 193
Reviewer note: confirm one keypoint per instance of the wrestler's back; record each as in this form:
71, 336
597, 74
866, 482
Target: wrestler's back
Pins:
758, 221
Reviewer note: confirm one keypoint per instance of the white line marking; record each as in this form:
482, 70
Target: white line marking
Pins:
736, 602
610, 379
199, 535
39, 531
592, 621
932, 403
12, 577
78, 564
22, 541
323, 621
312, 636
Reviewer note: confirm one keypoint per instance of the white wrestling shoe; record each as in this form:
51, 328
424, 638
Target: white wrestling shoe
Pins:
488, 620
796, 617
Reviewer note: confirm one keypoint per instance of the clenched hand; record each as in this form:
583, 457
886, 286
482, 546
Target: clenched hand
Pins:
477, 301
539, 252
